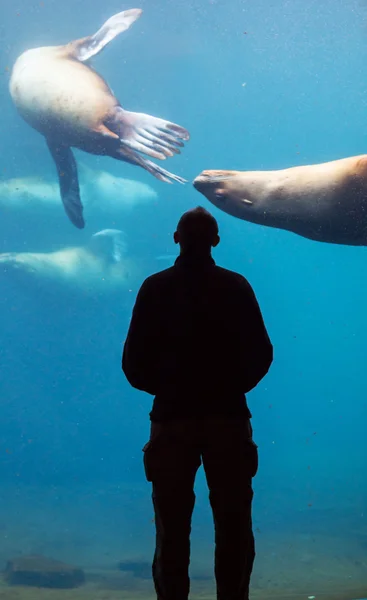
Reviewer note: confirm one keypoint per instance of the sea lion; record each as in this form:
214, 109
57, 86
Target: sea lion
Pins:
101, 266
325, 202
64, 99
35, 195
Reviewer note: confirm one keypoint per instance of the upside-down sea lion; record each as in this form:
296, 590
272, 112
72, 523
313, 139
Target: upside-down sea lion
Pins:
325, 202
60, 96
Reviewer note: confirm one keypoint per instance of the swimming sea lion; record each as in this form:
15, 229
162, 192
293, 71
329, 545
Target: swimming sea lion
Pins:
325, 202
60, 96
101, 266
35, 195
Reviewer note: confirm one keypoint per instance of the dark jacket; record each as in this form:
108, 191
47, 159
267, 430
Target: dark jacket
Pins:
196, 341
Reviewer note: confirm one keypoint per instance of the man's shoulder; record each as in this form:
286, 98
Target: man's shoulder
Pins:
231, 277
156, 279
224, 276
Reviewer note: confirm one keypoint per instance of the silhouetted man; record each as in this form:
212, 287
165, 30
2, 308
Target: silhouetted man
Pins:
197, 342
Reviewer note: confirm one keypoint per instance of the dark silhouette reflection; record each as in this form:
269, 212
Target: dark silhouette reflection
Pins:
198, 343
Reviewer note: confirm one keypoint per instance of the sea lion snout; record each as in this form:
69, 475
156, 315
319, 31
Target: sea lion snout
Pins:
228, 191
208, 183
201, 181
212, 184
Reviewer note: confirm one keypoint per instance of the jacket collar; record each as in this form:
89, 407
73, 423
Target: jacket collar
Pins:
193, 261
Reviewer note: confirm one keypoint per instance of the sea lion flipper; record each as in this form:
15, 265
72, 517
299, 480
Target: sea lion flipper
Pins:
87, 47
69, 183
149, 135
129, 156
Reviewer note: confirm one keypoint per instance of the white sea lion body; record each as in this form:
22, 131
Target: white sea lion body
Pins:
325, 202
36, 195
71, 105
102, 266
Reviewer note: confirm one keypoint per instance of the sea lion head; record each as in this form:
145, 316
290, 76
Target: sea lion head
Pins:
109, 245
225, 189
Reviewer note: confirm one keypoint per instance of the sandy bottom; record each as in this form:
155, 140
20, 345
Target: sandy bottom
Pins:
300, 555
111, 586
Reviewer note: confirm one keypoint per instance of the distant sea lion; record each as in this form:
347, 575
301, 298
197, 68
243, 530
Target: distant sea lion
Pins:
325, 202
101, 266
35, 195
72, 106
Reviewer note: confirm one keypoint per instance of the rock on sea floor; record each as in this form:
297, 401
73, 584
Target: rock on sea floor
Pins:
39, 571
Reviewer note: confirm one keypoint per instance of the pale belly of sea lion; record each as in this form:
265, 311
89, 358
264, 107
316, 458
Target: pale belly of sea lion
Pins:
73, 102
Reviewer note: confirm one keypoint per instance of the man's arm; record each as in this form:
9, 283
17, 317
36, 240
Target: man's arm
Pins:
259, 349
138, 354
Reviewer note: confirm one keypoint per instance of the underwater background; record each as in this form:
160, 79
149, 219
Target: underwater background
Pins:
259, 85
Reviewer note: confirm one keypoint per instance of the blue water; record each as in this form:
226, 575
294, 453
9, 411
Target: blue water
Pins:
260, 85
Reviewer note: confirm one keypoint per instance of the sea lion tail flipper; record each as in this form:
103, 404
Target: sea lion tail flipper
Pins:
129, 156
69, 183
150, 135
161, 174
87, 47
